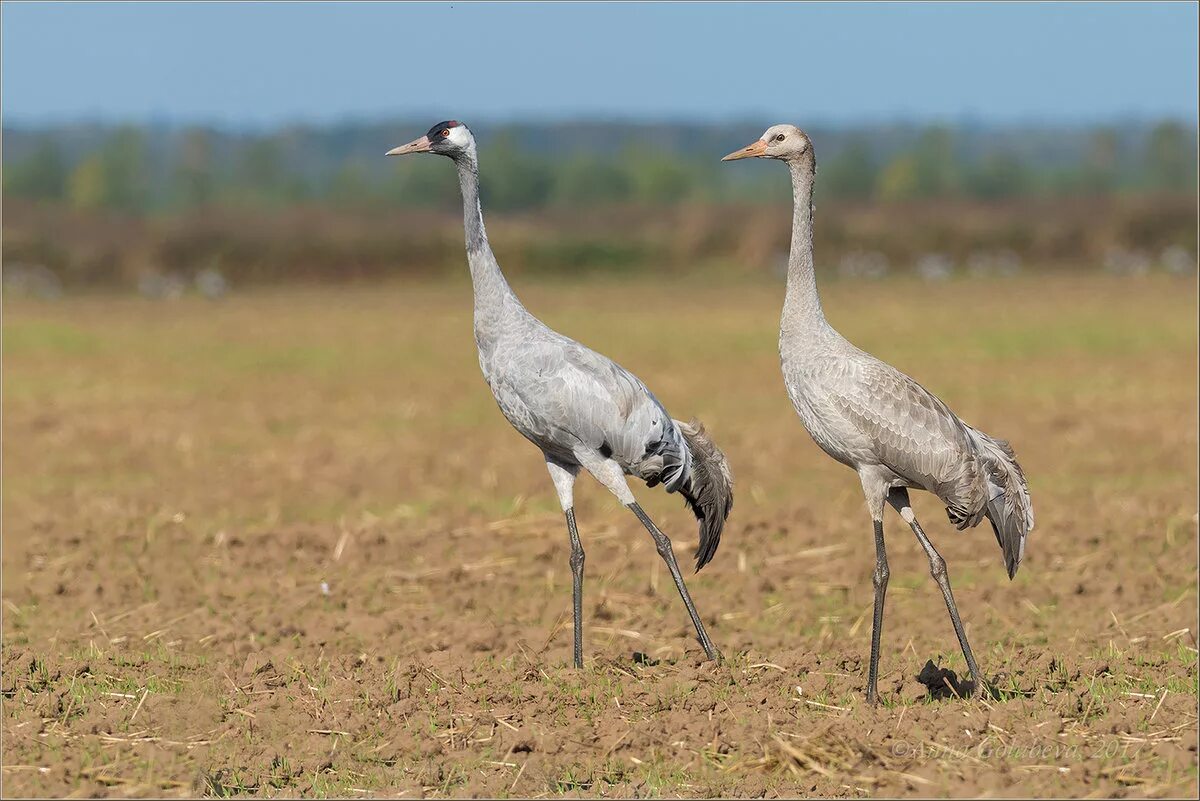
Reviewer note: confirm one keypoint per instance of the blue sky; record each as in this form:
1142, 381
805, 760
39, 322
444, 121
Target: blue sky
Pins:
262, 64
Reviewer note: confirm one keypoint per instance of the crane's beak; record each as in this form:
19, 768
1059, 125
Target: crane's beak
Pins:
420, 145
751, 151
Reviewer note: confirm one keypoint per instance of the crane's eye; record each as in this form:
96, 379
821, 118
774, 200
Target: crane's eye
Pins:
779, 138
445, 132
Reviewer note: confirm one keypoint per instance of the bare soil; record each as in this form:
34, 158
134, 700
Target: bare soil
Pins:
286, 545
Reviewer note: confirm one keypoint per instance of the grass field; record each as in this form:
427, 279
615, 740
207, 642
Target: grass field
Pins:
286, 544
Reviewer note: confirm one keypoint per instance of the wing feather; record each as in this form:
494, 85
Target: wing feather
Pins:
562, 395
913, 432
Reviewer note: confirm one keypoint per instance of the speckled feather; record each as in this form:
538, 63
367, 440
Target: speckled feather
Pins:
883, 424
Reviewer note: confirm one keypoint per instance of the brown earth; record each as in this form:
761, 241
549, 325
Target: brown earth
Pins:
286, 545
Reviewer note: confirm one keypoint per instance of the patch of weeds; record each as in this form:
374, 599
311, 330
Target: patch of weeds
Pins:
327, 784
225, 783
573, 779
449, 777
281, 773
661, 776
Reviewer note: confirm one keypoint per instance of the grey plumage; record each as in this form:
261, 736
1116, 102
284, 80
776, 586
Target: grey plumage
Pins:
895, 433
708, 488
581, 409
1009, 507
871, 417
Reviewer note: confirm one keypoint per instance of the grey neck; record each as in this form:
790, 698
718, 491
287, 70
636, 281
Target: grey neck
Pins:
802, 306
468, 182
493, 296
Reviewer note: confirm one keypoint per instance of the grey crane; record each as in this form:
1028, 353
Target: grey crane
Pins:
584, 411
885, 426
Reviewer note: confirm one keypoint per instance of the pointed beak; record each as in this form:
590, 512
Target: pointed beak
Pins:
420, 145
751, 151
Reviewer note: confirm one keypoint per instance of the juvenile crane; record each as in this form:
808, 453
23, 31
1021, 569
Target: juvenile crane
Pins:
876, 420
584, 411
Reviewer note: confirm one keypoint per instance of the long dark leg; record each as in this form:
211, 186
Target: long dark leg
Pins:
563, 476
577, 559
880, 580
937, 568
663, 544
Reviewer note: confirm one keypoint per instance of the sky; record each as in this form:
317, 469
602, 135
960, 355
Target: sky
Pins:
261, 64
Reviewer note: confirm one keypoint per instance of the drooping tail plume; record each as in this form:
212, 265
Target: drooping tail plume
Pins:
1009, 507
708, 489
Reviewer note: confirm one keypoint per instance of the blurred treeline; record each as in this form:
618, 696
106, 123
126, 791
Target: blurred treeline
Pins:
169, 169
97, 203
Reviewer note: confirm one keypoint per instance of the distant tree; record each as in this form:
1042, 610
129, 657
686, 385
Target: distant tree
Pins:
42, 176
1171, 157
998, 175
899, 179
1100, 167
852, 172
116, 176
351, 185
261, 174
586, 181
514, 179
658, 178
194, 179
297, 189
137, 170
87, 187
420, 181
929, 169
935, 162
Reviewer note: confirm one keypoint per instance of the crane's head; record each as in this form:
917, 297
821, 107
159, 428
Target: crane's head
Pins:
783, 142
450, 138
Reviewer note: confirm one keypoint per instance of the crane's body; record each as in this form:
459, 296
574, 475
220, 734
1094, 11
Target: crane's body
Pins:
581, 409
579, 406
879, 422
896, 434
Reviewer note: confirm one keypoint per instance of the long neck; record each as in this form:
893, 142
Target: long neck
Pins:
493, 296
802, 306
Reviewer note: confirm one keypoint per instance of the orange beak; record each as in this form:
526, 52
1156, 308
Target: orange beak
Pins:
750, 151
420, 145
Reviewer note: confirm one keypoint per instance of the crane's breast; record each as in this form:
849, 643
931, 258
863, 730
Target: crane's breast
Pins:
825, 422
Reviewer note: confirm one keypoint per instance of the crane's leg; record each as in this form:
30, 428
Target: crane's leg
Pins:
937, 568
880, 581
610, 474
663, 544
563, 477
875, 492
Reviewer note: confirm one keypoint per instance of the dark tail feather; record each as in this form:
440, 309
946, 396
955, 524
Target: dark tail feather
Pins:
1010, 533
1009, 507
708, 489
